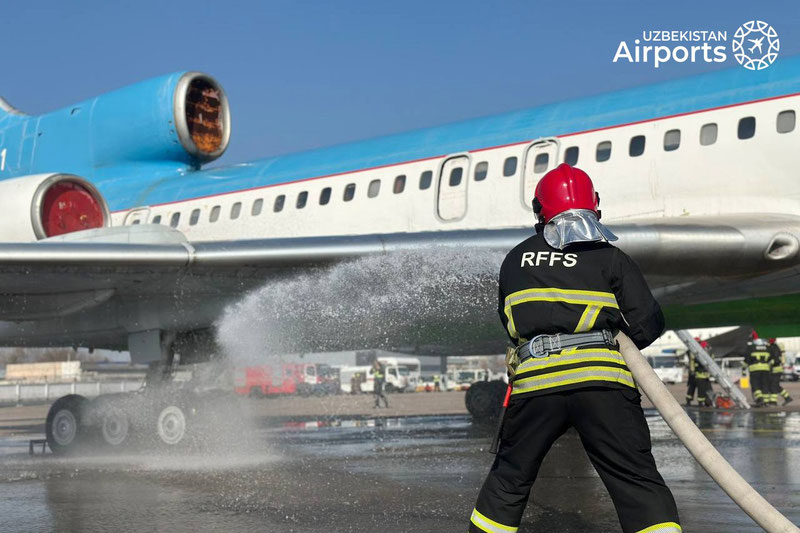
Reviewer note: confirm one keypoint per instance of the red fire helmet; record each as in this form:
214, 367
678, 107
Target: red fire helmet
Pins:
562, 189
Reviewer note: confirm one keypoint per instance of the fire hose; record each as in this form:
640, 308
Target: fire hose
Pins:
728, 479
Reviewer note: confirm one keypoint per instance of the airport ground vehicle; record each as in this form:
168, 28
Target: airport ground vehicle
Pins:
289, 378
407, 367
463, 379
791, 368
667, 367
396, 378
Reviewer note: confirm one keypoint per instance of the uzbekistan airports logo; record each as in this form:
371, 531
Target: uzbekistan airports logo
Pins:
756, 45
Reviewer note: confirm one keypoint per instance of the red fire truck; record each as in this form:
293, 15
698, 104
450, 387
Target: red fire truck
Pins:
288, 378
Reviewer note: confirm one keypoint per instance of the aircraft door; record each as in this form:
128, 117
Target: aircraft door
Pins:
136, 216
451, 194
541, 156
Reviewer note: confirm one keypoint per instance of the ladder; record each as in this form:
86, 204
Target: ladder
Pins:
713, 368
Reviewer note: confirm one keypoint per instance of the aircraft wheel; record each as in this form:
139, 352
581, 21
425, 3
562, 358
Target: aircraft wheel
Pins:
64, 426
172, 425
484, 399
114, 426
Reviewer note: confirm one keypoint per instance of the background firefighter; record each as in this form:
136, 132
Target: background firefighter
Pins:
568, 280
777, 371
758, 360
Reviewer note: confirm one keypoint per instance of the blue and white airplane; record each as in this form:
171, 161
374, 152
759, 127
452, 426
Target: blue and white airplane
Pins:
113, 236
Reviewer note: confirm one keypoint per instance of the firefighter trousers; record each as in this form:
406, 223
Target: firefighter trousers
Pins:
760, 383
691, 387
704, 391
614, 433
776, 390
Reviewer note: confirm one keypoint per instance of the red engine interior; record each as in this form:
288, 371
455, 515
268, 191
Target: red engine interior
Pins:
68, 206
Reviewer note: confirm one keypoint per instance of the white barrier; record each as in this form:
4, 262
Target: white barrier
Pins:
22, 393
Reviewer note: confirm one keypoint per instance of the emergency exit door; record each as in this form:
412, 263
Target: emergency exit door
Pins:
137, 216
541, 156
451, 194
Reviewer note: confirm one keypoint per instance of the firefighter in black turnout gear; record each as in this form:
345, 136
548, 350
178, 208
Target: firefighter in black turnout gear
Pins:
699, 378
379, 379
777, 371
563, 295
758, 359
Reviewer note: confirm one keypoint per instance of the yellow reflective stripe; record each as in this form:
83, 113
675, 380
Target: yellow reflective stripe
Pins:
489, 525
777, 369
588, 318
593, 300
512, 330
566, 357
663, 527
759, 366
573, 376
571, 296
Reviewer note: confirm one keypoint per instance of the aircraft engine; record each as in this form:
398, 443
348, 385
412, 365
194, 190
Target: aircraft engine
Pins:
38, 206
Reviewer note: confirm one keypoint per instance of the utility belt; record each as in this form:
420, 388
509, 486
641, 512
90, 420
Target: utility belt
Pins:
545, 345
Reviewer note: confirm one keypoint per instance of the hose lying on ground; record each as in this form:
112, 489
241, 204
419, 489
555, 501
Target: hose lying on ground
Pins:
729, 480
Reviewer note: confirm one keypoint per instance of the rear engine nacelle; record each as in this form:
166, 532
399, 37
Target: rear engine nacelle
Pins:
157, 127
45, 205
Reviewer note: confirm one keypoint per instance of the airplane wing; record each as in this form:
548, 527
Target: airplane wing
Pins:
423, 291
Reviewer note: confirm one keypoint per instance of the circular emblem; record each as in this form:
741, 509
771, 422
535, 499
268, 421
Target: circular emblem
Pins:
756, 45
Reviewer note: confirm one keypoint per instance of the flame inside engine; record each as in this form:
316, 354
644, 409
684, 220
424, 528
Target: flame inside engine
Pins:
204, 116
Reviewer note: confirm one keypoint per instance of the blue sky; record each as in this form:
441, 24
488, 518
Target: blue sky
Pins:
306, 74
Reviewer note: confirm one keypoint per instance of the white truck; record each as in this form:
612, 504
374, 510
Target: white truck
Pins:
667, 367
402, 373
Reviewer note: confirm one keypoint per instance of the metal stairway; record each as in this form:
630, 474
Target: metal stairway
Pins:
713, 368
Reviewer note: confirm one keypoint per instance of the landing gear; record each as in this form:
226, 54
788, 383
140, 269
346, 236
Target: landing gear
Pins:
65, 428
163, 412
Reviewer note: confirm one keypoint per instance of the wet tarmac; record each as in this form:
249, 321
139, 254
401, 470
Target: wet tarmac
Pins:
418, 474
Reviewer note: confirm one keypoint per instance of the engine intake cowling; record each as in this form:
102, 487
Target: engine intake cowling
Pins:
46, 205
153, 128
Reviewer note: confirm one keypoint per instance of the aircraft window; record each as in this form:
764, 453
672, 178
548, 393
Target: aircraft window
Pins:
279, 201
786, 120
400, 184
455, 176
349, 192
636, 148
157, 219
672, 140
325, 196
214, 216
176, 218
425, 180
603, 151
747, 127
374, 188
302, 198
571, 156
137, 221
708, 134
510, 166
194, 217
481, 171
541, 162
236, 209
258, 205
